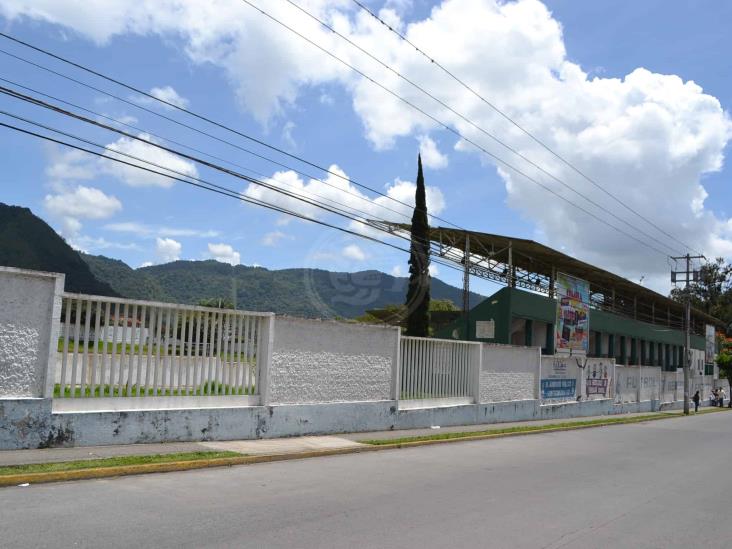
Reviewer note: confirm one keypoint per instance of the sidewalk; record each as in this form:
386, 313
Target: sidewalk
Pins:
262, 447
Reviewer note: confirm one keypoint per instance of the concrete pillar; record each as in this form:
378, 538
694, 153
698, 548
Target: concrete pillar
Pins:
30, 314
623, 351
264, 357
652, 353
611, 345
396, 366
550, 339
528, 332
633, 350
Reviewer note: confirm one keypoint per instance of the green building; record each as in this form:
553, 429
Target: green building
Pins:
627, 321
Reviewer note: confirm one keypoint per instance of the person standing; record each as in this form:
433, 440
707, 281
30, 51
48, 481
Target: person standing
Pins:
721, 395
696, 398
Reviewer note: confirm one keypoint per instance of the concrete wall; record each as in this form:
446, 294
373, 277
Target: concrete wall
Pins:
30, 423
508, 373
325, 361
627, 380
30, 306
650, 383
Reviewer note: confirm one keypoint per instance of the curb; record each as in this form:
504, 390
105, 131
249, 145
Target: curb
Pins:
172, 466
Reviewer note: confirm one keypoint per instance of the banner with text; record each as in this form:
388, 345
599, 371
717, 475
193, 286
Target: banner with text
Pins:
572, 326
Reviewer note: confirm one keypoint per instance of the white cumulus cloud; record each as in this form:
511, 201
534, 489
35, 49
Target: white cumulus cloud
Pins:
81, 202
273, 238
352, 251
169, 95
645, 137
136, 177
431, 155
167, 249
224, 253
397, 204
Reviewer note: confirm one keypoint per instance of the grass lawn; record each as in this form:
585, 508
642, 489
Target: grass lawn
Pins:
112, 462
208, 388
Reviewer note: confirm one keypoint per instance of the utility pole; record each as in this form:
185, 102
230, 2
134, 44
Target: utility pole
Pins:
689, 275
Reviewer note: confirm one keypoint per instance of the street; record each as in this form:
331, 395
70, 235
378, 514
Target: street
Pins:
660, 484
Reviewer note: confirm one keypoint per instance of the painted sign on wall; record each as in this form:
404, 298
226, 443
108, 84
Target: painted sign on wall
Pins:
572, 326
558, 378
598, 373
558, 388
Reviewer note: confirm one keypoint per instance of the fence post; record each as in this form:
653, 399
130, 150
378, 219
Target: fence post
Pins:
49, 382
264, 357
396, 366
477, 360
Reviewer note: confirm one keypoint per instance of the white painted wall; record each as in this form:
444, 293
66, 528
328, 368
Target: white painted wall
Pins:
326, 361
627, 380
650, 383
508, 373
30, 306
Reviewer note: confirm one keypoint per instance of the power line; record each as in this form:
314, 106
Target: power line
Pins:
296, 196
180, 154
472, 123
190, 113
152, 134
192, 128
450, 128
205, 185
514, 123
145, 94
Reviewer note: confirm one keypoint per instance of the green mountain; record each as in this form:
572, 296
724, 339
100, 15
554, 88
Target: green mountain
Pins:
297, 292
27, 242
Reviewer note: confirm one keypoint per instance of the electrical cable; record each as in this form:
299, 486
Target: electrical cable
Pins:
514, 123
189, 112
474, 125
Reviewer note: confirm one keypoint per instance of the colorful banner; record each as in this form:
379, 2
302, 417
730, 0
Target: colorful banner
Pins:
572, 326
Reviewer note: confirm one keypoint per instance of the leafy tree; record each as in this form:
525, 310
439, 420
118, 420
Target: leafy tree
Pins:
443, 305
712, 292
216, 303
724, 358
418, 291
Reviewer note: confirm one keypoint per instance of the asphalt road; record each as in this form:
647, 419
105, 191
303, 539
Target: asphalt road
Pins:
662, 484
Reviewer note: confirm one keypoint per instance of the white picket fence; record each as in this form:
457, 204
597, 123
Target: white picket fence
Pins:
438, 369
186, 350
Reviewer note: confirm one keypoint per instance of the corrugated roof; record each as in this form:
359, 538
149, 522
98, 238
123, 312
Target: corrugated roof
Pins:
537, 258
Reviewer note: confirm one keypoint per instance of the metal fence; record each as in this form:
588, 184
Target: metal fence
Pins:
113, 347
438, 368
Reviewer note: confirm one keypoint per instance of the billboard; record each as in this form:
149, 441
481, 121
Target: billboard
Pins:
710, 344
572, 326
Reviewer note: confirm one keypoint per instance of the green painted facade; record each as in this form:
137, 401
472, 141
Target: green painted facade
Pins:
645, 342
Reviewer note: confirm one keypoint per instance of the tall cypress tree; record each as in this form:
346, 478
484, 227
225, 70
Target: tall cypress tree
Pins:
418, 292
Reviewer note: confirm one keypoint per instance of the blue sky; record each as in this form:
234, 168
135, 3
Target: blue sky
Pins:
560, 68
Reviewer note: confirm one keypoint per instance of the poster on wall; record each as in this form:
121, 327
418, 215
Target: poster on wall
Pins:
598, 375
710, 344
572, 326
558, 378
